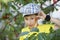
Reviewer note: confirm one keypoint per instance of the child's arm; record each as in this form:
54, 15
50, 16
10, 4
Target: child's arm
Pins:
56, 21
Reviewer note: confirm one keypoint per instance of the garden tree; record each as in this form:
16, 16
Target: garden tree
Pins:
11, 20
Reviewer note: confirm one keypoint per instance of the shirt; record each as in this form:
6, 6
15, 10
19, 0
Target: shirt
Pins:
42, 28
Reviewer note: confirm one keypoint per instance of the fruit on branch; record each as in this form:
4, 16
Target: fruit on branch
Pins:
6, 16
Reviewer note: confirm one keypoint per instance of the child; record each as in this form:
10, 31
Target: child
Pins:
31, 13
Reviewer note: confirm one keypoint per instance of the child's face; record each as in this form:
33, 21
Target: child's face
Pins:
30, 20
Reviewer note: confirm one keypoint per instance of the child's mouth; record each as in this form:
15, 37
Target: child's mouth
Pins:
30, 25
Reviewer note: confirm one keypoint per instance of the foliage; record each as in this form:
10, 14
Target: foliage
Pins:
55, 35
13, 20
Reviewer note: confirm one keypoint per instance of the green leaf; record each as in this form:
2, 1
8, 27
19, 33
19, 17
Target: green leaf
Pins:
42, 1
32, 37
24, 33
42, 36
26, 38
34, 29
51, 30
13, 7
48, 9
12, 29
55, 35
27, 1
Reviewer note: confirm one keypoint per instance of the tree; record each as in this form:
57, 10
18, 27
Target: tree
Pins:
12, 19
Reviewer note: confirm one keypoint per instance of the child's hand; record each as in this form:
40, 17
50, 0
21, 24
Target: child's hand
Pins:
42, 15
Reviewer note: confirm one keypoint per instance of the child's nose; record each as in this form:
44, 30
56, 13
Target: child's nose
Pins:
29, 22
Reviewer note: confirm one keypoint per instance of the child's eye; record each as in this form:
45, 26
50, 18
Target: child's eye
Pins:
32, 18
26, 18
